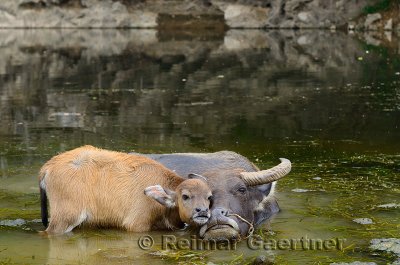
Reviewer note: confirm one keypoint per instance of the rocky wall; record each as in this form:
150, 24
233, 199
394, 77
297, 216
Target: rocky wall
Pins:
179, 13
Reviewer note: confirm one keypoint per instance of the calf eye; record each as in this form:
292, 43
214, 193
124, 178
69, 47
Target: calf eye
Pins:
185, 197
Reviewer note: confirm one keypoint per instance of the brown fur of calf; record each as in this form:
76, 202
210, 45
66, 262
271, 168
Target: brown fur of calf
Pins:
106, 188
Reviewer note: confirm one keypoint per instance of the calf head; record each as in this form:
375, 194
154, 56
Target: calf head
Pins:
192, 198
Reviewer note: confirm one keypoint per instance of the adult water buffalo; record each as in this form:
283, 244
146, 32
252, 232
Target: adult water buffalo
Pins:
243, 195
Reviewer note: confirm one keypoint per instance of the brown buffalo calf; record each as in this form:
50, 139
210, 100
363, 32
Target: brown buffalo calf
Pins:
105, 188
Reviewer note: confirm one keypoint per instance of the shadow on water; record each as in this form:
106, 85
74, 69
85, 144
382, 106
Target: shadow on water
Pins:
327, 101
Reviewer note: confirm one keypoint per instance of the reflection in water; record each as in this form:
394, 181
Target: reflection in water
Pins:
101, 248
325, 100
180, 93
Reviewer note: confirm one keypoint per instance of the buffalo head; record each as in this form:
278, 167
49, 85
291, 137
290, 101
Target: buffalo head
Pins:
241, 200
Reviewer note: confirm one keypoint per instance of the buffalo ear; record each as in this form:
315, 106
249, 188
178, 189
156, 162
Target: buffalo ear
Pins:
165, 197
196, 176
267, 206
265, 210
265, 189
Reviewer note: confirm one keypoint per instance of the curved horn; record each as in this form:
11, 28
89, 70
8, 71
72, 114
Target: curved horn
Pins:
268, 175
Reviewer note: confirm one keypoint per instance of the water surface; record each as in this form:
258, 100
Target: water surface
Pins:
327, 101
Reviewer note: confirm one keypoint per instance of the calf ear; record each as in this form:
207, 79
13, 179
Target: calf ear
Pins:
165, 197
197, 176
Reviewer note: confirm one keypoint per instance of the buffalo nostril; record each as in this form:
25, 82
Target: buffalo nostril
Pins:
198, 210
220, 211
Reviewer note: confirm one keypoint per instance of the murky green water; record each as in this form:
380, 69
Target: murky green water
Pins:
327, 101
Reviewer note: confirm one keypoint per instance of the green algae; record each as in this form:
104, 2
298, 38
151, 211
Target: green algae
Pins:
19, 198
92, 232
26, 214
6, 261
198, 257
352, 186
14, 205
115, 255
181, 256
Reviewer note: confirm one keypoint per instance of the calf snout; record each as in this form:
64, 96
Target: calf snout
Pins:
201, 215
201, 211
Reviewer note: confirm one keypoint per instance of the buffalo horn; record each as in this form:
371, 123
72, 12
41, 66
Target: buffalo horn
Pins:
268, 175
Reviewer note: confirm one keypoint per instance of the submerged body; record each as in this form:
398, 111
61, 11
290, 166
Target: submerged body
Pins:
105, 188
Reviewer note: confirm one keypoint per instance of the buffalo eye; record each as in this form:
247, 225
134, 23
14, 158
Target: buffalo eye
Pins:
185, 197
242, 190
210, 198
